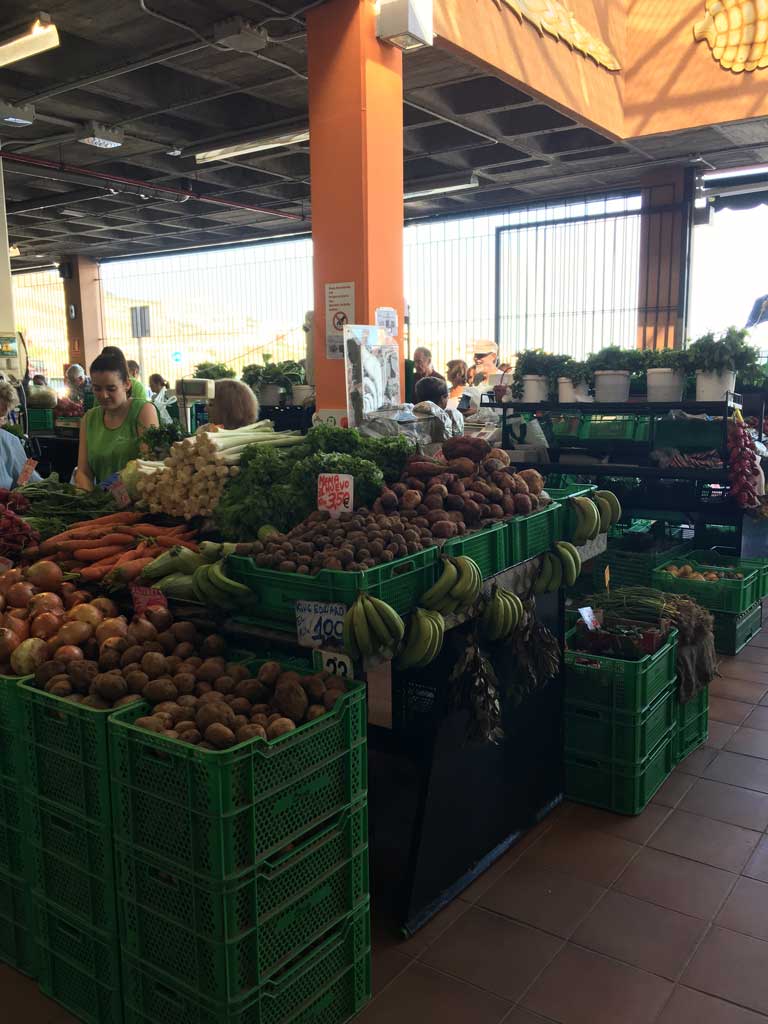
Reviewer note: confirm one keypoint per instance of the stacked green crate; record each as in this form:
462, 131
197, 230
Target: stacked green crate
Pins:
691, 724
70, 860
242, 875
619, 726
17, 931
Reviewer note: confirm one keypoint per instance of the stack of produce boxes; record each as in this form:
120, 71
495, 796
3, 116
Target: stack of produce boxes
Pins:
70, 853
619, 726
242, 874
17, 941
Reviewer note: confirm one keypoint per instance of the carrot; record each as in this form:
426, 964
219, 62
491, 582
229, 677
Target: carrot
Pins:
91, 526
108, 540
130, 570
91, 555
164, 543
128, 556
98, 571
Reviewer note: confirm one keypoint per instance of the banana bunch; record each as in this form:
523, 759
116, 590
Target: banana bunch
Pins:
559, 568
613, 512
502, 614
457, 589
594, 515
212, 586
424, 641
372, 629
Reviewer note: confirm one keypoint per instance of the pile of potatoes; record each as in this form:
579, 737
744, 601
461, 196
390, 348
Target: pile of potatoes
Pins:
221, 705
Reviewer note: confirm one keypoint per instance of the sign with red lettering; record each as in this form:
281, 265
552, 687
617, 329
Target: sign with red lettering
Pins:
147, 597
26, 472
335, 492
120, 494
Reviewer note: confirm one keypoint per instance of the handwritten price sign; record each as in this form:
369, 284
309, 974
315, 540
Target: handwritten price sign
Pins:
335, 492
318, 622
147, 597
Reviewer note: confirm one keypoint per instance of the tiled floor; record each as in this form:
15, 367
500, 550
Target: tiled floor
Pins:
596, 918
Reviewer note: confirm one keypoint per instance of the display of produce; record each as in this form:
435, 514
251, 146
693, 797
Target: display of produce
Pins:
372, 628
502, 614
560, 567
424, 640
457, 588
703, 573
156, 442
53, 506
744, 471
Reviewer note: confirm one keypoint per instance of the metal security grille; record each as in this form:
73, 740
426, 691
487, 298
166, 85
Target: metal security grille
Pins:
39, 307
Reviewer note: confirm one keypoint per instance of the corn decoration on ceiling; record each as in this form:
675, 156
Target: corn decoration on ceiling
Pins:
736, 32
554, 18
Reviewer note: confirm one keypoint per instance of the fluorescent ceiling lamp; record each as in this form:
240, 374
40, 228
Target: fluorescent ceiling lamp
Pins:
73, 213
13, 251
41, 36
19, 115
736, 172
406, 24
441, 186
102, 137
254, 146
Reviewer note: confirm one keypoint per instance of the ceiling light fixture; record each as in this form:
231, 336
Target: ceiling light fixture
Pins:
13, 251
173, 152
406, 24
288, 138
73, 213
440, 186
18, 115
41, 36
736, 172
102, 137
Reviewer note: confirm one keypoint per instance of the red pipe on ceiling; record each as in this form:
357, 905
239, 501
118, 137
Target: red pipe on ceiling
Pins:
51, 165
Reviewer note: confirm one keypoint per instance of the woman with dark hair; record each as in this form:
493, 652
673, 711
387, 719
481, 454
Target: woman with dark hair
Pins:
110, 432
157, 382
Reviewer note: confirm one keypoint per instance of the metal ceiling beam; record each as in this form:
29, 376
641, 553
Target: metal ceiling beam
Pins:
50, 202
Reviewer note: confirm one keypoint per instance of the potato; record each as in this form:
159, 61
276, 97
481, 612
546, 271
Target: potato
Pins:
330, 698
225, 684
291, 700
183, 726
49, 669
336, 683
167, 641
269, 673
129, 698
158, 690
76, 698
237, 671
187, 700
209, 714
132, 656
279, 727
109, 659
136, 680
152, 723
213, 645
110, 686
94, 701
240, 705
204, 745
62, 688
184, 632
250, 732
220, 736
202, 688
315, 711
183, 651
273, 717
252, 690
238, 722
210, 670
154, 665
190, 736
314, 687
212, 695
174, 664
191, 664
261, 709
184, 682
260, 719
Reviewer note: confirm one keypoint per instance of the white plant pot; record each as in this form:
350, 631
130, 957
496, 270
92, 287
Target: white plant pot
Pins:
303, 394
665, 385
269, 394
535, 388
567, 391
611, 385
713, 387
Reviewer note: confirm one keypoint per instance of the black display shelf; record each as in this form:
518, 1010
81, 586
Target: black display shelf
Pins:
712, 476
630, 408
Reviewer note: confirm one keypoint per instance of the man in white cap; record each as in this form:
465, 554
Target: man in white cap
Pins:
77, 382
485, 354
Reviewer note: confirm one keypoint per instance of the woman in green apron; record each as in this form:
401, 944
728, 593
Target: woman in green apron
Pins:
110, 432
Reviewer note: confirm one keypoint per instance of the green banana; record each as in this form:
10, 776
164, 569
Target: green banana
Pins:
417, 640
589, 522
574, 553
376, 625
556, 579
393, 624
440, 590
350, 643
463, 588
541, 586
362, 632
218, 578
568, 564
613, 501
519, 610
606, 513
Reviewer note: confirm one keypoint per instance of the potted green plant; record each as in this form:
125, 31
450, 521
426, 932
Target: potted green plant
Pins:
535, 374
573, 382
611, 369
666, 370
213, 371
718, 360
270, 381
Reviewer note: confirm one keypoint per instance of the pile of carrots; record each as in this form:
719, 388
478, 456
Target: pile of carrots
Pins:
114, 548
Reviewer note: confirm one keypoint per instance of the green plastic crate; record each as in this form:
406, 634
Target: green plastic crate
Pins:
691, 725
400, 583
733, 632
78, 967
262, 921
11, 752
327, 985
12, 858
65, 749
532, 535
218, 813
566, 427
18, 947
723, 596
688, 434
40, 419
488, 547
717, 558
71, 865
633, 568
618, 787
619, 685
616, 428
607, 736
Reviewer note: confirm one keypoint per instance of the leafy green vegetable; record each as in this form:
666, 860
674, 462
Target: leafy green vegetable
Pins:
388, 453
155, 442
50, 498
213, 371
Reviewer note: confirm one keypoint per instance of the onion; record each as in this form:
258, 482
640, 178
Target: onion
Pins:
9, 641
85, 613
115, 643
67, 588
74, 633
142, 631
8, 578
2, 602
160, 618
111, 627
46, 602
28, 656
69, 653
20, 594
45, 625
19, 626
45, 575
76, 597
109, 608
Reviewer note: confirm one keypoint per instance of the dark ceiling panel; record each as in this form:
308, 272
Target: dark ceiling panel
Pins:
480, 94
524, 120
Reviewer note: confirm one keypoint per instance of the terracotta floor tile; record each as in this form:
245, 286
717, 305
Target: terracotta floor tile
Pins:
420, 994
712, 842
739, 770
498, 869
732, 711
591, 856
746, 909
757, 866
543, 898
642, 934
751, 654
748, 741
493, 953
735, 668
636, 829
758, 719
23, 1001
697, 762
687, 1006
676, 883
674, 789
387, 935
521, 1016
747, 690
733, 967
581, 987
386, 964
719, 734
737, 806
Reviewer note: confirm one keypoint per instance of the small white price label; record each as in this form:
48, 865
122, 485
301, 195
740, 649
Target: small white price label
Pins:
335, 662
588, 614
335, 492
318, 623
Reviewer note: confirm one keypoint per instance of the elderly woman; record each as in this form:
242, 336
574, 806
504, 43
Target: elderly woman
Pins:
12, 454
234, 405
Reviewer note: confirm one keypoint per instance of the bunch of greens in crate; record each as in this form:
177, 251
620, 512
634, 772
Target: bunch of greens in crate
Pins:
390, 454
50, 498
213, 371
617, 638
155, 443
283, 375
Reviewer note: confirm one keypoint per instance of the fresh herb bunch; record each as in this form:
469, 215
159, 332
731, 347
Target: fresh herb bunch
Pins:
213, 371
722, 353
283, 375
537, 362
390, 454
155, 443
51, 498
667, 359
615, 358
369, 479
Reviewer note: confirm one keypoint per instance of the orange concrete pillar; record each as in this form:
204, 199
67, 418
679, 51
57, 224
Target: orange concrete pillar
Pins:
356, 154
82, 295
